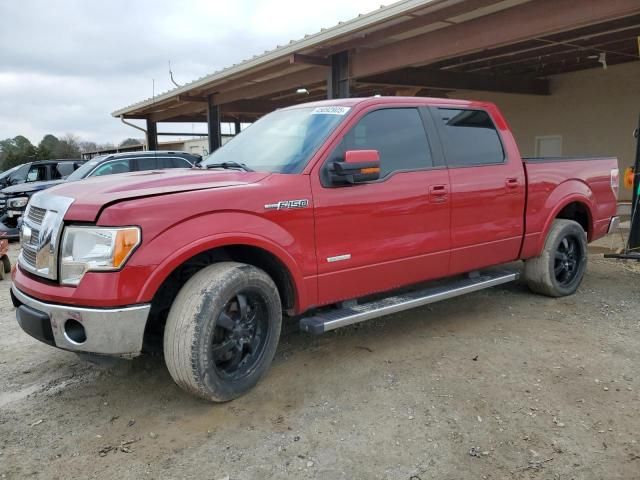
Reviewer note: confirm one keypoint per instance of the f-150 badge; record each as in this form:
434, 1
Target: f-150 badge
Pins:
287, 204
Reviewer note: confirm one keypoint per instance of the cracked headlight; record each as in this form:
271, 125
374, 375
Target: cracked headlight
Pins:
94, 249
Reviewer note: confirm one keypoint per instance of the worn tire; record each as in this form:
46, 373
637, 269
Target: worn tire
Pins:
539, 272
191, 326
6, 264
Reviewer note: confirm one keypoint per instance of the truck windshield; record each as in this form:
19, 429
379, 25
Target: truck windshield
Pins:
281, 142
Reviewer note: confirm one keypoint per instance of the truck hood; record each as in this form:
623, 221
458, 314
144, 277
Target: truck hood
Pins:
91, 195
30, 187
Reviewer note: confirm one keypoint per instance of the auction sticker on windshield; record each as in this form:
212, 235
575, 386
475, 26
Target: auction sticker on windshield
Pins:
331, 110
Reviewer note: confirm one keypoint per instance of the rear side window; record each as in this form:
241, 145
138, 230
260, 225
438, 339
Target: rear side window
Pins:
397, 133
173, 162
147, 163
469, 137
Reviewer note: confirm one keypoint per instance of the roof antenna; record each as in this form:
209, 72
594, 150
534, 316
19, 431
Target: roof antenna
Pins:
171, 75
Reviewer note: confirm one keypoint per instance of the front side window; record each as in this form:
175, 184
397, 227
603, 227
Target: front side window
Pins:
37, 173
397, 134
281, 142
469, 137
111, 168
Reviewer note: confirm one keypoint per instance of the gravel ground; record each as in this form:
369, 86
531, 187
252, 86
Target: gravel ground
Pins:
498, 384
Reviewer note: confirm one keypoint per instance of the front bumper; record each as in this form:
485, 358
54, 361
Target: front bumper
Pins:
106, 331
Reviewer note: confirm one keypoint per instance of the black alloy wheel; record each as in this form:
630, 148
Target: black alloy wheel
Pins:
567, 260
239, 338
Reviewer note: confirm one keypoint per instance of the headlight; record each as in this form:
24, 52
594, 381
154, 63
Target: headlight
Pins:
18, 202
91, 249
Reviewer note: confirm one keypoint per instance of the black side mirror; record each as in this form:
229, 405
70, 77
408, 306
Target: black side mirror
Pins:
359, 166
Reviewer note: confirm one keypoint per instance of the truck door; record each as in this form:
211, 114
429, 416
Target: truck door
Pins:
487, 188
387, 233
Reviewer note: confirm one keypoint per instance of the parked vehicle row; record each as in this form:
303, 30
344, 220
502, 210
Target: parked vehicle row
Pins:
332, 212
33, 177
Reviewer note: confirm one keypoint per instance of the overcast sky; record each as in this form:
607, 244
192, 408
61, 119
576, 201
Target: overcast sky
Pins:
66, 65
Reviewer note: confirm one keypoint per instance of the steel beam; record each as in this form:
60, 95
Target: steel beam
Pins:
416, 77
213, 125
517, 24
303, 78
152, 135
338, 79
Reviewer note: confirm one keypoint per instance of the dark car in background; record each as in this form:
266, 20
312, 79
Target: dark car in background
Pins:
14, 199
34, 173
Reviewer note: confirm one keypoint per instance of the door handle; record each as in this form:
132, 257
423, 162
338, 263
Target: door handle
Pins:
512, 183
438, 193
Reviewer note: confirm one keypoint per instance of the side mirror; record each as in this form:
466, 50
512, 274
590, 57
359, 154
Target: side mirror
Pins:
359, 166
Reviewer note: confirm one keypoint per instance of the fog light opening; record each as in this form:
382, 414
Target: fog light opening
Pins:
74, 332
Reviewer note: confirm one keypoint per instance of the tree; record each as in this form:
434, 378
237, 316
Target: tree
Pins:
15, 151
68, 147
47, 146
130, 142
86, 146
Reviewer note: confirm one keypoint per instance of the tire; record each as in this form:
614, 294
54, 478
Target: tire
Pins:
6, 264
223, 330
561, 266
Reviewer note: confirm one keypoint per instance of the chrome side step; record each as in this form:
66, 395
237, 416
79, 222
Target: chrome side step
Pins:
327, 320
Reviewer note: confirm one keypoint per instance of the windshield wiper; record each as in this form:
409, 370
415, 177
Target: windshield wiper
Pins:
230, 165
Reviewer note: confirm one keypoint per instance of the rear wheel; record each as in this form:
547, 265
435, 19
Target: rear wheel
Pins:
223, 330
561, 266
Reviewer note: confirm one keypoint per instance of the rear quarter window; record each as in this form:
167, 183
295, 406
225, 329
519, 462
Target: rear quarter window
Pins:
469, 137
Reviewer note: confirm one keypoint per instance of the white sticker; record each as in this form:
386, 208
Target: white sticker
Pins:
330, 110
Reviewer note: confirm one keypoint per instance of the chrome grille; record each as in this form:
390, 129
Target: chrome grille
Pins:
36, 215
41, 233
29, 257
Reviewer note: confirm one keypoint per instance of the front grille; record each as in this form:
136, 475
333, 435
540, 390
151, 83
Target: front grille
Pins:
36, 215
35, 237
43, 220
29, 256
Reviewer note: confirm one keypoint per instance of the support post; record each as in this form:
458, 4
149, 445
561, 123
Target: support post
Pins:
338, 81
634, 232
152, 135
213, 125
237, 127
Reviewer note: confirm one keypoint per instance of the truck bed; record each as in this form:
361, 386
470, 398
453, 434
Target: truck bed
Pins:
554, 181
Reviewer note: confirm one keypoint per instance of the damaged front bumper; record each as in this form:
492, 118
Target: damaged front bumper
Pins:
105, 331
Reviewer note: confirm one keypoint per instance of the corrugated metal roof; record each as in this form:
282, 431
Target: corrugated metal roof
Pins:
343, 29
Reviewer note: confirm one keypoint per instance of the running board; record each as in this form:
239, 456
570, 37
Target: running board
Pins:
324, 321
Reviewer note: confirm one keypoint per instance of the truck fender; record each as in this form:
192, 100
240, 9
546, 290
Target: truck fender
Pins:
564, 194
181, 253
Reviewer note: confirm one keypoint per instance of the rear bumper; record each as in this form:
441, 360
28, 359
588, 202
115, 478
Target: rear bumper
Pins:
614, 224
106, 331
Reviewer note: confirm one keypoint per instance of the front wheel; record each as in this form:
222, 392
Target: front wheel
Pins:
223, 330
561, 266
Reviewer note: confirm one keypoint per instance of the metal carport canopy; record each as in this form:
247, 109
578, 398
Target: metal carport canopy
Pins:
414, 46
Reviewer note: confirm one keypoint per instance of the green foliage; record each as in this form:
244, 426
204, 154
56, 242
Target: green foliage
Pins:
130, 142
15, 151
19, 150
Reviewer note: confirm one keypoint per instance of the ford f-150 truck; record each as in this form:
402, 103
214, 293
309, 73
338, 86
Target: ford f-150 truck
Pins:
331, 212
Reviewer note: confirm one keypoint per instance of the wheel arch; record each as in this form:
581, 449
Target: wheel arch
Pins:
572, 200
162, 286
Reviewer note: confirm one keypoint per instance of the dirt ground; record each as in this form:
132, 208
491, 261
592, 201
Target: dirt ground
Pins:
498, 384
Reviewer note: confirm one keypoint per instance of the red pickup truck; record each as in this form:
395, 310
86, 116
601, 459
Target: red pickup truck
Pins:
333, 212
